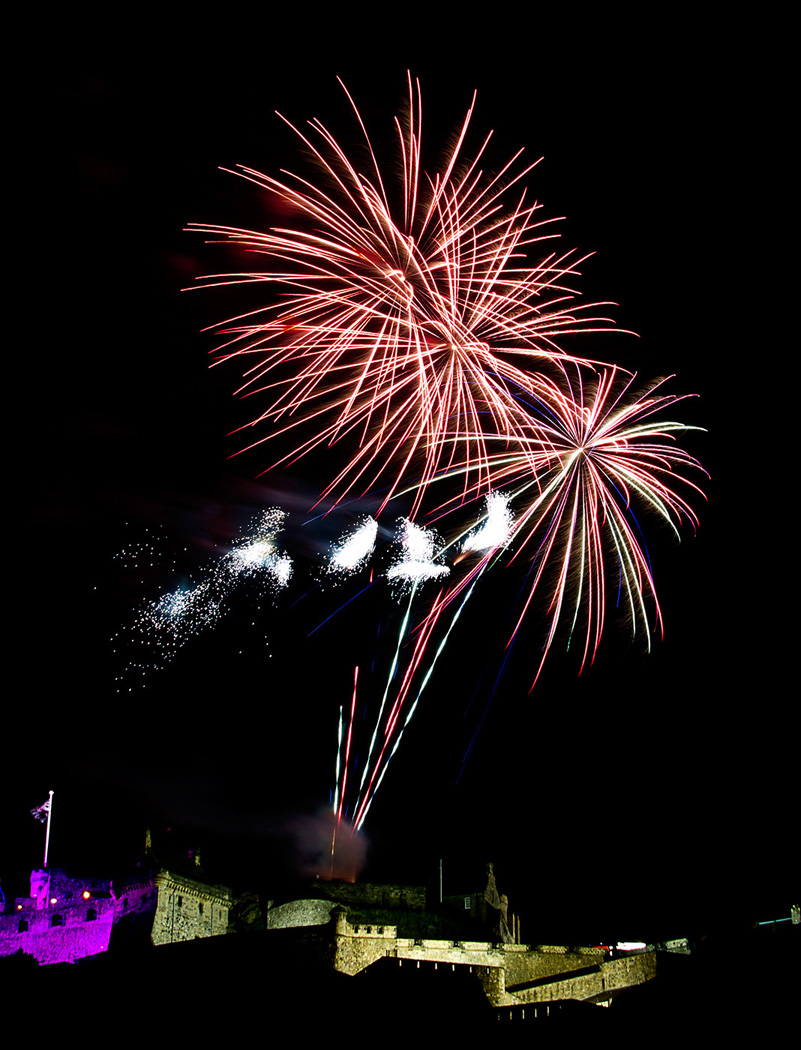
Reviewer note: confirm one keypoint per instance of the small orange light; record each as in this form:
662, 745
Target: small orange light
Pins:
54, 900
86, 895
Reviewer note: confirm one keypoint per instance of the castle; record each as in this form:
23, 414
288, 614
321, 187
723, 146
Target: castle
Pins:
67, 918
345, 927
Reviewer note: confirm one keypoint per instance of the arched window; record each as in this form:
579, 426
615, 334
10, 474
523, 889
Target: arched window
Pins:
91, 914
57, 920
23, 925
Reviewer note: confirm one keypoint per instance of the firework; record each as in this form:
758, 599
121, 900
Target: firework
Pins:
417, 564
592, 457
419, 551
339, 796
416, 323
496, 529
400, 317
259, 554
353, 551
165, 624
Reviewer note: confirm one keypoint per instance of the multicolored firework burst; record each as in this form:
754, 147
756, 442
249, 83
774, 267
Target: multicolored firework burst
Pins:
593, 456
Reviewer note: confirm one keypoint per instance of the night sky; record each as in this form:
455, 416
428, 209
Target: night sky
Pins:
649, 797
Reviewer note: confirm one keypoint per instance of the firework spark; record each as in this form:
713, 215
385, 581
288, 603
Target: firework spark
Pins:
352, 552
496, 529
419, 551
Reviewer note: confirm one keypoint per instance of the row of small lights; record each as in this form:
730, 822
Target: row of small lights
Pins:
54, 900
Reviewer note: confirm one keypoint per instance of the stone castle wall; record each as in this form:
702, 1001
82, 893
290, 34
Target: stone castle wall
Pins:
188, 909
390, 897
134, 898
299, 913
63, 920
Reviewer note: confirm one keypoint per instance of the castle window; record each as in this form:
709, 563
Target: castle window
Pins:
91, 914
180, 902
23, 925
57, 920
200, 908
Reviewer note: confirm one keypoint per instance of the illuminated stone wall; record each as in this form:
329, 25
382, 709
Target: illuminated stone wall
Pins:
65, 918
299, 913
359, 945
134, 898
369, 895
188, 908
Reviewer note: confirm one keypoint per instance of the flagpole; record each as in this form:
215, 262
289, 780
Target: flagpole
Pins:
47, 833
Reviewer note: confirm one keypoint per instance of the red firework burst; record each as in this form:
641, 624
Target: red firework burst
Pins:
406, 314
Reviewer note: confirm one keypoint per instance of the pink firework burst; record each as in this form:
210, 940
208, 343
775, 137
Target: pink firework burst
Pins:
594, 455
402, 311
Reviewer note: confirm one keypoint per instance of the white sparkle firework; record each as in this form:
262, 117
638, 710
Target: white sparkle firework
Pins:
351, 553
260, 554
496, 529
181, 605
420, 548
167, 623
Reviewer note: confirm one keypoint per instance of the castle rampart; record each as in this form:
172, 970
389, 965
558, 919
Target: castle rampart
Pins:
511, 974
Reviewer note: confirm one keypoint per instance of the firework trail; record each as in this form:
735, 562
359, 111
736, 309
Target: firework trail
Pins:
168, 622
402, 309
339, 796
417, 559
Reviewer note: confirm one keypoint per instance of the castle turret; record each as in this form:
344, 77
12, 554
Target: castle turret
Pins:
40, 886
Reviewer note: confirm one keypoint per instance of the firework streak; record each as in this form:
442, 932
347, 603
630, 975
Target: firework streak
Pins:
491, 536
409, 326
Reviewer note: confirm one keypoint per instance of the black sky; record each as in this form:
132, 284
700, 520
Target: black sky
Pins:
666, 777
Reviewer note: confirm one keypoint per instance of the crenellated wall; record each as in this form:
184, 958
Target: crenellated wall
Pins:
511, 974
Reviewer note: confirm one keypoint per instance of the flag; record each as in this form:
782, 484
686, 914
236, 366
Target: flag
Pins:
40, 812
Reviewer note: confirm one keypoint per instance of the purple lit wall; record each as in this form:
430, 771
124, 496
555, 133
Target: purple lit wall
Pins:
63, 920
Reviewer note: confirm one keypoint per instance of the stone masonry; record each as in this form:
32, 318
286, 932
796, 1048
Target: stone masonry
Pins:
188, 908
